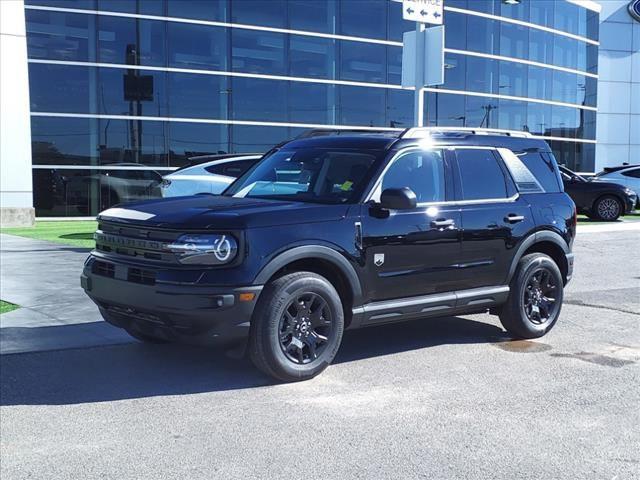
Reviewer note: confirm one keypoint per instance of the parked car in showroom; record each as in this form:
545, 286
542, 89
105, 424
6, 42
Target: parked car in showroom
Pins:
207, 174
329, 233
598, 200
625, 175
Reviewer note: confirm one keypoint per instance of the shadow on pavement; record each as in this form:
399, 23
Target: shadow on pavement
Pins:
135, 370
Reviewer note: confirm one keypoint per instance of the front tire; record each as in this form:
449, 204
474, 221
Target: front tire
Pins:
535, 297
297, 327
608, 208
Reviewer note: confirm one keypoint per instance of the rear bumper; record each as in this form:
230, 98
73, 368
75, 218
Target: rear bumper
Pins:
183, 313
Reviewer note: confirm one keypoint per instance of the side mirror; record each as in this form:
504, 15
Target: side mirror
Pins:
398, 199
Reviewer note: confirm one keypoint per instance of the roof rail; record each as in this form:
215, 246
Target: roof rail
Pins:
323, 132
420, 132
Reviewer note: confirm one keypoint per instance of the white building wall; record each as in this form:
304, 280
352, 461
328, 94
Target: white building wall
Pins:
618, 124
16, 188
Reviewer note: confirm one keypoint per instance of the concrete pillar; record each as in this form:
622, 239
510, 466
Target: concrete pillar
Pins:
16, 186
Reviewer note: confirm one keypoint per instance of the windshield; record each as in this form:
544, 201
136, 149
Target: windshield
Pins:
307, 175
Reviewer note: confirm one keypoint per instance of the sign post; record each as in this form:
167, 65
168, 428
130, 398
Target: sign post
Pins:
422, 51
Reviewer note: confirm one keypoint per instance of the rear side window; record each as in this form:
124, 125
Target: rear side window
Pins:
543, 168
481, 176
633, 173
231, 169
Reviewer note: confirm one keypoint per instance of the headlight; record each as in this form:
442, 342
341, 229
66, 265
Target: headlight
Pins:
629, 192
205, 249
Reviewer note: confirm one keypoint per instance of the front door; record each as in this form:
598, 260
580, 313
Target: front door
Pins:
413, 252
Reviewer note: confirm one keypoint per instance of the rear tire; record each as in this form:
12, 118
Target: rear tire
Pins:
535, 297
297, 327
608, 208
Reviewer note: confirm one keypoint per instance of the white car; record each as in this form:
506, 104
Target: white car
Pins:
626, 175
211, 176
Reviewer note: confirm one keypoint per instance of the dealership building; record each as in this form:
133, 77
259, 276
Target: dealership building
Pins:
120, 92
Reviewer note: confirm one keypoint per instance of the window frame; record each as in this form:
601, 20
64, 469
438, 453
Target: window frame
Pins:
374, 192
511, 190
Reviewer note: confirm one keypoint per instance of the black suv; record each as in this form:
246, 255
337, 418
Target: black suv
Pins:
331, 232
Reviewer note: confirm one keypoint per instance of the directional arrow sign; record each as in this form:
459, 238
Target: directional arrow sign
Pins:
425, 11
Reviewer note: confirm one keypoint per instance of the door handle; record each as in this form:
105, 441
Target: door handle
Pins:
513, 218
446, 223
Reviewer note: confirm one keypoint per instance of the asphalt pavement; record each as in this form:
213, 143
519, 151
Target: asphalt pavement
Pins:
438, 399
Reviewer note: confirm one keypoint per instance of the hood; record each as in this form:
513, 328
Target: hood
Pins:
214, 211
605, 184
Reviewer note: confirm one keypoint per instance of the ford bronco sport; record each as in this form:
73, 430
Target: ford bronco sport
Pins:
343, 230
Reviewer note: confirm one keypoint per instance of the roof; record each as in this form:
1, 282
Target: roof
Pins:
375, 141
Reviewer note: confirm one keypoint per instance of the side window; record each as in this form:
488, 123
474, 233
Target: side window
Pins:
231, 169
481, 175
633, 173
422, 172
543, 168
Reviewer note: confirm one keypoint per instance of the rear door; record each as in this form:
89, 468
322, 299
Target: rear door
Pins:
494, 216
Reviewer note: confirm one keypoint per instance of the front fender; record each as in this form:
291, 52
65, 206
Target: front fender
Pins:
307, 252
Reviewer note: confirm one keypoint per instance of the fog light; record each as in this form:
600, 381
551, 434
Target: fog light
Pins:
247, 297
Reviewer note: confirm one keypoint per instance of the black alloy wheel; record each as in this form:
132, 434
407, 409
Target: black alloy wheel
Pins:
535, 297
539, 300
296, 327
305, 328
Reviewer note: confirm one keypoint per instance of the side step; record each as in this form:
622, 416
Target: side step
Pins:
434, 305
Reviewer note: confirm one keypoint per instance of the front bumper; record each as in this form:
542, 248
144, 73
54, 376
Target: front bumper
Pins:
630, 203
184, 313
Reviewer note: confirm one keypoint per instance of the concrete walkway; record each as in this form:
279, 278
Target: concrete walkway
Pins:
44, 279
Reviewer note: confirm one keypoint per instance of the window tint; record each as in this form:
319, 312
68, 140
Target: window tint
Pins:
231, 169
635, 173
543, 168
422, 172
480, 175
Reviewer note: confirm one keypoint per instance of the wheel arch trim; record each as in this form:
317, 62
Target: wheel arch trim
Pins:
536, 237
310, 252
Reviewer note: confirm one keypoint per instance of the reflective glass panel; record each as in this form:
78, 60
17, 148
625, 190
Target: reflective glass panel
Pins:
198, 96
197, 46
364, 62
132, 92
250, 139
257, 99
188, 140
126, 142
312, 16
131, 41
258, 52
61, 88
198, 9
258, 12
69, 193
369, 22
361, 106
146, 7
312, 57
311, 103
63, 141
59, 35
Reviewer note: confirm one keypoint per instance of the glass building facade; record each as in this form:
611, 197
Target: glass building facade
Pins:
123, 91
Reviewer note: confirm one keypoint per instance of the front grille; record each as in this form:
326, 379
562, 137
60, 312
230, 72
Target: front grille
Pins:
138, 275
103, 269
136, 243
